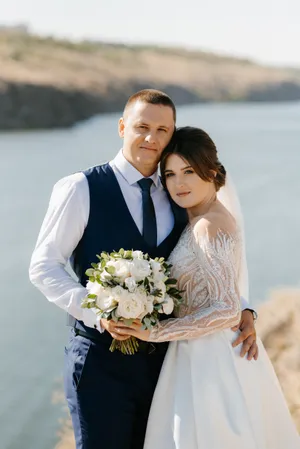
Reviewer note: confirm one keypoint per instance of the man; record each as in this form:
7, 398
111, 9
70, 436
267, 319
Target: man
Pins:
117, 205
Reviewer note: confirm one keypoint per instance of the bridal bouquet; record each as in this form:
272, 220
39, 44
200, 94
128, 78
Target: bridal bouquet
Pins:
129, 285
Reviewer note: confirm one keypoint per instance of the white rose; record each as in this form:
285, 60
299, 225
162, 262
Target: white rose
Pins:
131, 306
137, 255
157, 271
160, 276
117, 291
168, 306
130, 284
149, 306
94, 288
156, 266
121, 268
104, 299
140, 269
161, 286
106, 302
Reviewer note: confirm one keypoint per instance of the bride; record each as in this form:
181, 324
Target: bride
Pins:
207, 396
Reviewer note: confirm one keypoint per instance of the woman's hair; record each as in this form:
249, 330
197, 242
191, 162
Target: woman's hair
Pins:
197, 148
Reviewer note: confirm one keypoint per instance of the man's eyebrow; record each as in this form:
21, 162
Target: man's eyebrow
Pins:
140, 122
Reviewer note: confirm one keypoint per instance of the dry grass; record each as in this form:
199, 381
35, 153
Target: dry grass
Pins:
94, 66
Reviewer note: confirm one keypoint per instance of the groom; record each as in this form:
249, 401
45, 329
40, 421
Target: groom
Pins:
121, 204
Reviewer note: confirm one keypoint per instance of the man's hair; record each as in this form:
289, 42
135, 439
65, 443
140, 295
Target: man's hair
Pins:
151, 96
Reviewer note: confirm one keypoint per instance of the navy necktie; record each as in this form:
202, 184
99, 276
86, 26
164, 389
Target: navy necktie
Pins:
149, 218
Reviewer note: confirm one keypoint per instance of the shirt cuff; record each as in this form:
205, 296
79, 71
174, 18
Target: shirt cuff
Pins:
244, 303
98, 325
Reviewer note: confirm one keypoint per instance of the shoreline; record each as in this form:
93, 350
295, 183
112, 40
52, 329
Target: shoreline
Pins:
79, 80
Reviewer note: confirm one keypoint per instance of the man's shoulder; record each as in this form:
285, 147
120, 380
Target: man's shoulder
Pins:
78, 178
95, 169
73, 181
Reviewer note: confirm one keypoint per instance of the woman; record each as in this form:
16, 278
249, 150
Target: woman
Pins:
207, 396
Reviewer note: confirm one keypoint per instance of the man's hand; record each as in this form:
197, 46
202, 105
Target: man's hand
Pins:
247, 336
111, 327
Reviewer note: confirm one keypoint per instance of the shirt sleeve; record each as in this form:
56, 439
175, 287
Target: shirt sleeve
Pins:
62, 229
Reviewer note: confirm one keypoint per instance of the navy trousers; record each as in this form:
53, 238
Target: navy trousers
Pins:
109, 394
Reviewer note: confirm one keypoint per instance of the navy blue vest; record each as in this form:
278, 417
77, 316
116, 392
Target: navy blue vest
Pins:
111, 227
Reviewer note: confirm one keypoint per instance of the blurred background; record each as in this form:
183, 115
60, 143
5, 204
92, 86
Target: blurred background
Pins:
66, 70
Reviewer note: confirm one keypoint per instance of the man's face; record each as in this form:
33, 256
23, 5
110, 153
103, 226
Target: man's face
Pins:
146, 130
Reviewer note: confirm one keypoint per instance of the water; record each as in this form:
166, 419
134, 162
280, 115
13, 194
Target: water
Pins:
258, 143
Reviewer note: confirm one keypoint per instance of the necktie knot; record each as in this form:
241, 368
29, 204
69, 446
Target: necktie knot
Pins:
145, 184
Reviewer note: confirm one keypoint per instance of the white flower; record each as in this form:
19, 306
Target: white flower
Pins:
131, 305
130, 284
156, 266
168, 306
94, 288
104, 298
157, 271
149, 305
137, 255
106, 303
140, 269
161, 286
118, 291
121, 267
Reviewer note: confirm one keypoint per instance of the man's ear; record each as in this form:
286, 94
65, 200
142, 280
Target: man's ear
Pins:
121, 127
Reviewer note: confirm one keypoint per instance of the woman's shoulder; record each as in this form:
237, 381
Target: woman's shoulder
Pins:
217, 220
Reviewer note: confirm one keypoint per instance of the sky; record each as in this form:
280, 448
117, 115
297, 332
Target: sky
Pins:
266, 31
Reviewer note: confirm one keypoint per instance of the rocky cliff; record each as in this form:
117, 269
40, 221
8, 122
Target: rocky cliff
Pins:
46, 83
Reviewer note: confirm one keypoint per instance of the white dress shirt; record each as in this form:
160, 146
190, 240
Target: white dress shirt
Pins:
64, 225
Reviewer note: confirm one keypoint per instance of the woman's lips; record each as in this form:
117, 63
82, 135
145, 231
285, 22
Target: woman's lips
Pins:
183, 194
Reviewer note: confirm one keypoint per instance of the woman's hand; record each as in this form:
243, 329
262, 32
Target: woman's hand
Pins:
135, 330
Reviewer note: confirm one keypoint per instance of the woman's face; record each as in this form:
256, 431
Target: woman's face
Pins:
186, 188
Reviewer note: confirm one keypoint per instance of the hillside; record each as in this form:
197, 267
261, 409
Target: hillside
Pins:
48, 83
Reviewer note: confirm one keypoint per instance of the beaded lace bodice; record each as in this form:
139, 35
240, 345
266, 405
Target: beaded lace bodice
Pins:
206, 268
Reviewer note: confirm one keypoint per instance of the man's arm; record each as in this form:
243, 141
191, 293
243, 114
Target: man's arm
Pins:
62, 229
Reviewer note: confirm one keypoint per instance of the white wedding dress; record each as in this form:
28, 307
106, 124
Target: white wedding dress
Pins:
207, 396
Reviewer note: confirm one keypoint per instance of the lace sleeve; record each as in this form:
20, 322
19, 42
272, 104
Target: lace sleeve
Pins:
221, 308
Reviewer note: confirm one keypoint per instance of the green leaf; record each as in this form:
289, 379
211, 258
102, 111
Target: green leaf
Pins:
147, 322
104, 255
157, 292
114, 317
92, 296
170, 281
110, 270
